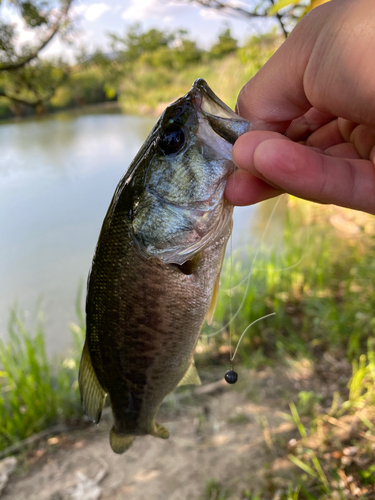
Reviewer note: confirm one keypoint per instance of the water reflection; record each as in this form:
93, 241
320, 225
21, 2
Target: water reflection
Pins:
57, 177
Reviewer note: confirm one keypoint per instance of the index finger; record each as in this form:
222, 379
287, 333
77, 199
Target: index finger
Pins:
275, 95
326, 63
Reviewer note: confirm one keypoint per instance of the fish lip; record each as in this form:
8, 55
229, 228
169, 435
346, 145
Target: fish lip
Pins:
200, 90
222, 119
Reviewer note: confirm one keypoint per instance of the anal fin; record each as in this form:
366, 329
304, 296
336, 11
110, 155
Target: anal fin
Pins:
191, 376
92, 393
160, 431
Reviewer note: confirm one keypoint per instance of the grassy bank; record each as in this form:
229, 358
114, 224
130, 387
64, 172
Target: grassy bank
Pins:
317, 279
150, 89
36, 394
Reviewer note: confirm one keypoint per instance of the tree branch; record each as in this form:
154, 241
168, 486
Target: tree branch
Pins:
239, 11
218, 5
10, 66
279, 18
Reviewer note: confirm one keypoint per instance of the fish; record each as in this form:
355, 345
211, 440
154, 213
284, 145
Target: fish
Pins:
155, 273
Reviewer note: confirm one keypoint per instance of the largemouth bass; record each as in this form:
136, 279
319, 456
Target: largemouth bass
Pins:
156, 269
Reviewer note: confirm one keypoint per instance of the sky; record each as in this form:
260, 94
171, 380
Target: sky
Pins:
93, 20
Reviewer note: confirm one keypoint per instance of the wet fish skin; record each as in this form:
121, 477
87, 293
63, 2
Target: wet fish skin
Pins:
156, 263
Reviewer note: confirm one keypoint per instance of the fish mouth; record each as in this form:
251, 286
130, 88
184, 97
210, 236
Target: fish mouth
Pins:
222, 119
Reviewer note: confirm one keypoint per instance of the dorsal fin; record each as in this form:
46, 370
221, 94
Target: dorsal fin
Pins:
191, 376
92, 393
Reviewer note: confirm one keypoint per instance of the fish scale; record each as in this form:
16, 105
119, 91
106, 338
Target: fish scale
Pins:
154, 276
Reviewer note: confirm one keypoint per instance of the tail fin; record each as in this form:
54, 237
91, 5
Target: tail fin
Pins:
120, 444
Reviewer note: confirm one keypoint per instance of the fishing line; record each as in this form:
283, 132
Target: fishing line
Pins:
282, 268
246, 329
230, 297
231, 376
248, 276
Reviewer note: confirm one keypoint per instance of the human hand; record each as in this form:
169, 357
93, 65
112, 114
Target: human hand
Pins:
319, 90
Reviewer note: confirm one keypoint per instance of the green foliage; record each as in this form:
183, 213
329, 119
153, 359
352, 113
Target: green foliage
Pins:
147, 70
34, 83
258, 49
137, 42
362, 383
86, 86
225, 45
33, 395
330, 468
308, 403
184, 54
5, 108
322, 293
32, 13
6, 41
163, 75
214, 491
25, 79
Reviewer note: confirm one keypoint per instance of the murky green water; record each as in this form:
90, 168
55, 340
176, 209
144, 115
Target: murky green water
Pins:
57, 177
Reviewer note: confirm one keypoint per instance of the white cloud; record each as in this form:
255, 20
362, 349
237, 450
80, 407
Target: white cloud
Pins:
95, 11
139, 9
238, 4
210, 14
78, 9
145, 9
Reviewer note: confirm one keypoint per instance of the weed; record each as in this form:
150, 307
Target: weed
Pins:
320, 292
33, 395
308, 403
331, 468
214, 491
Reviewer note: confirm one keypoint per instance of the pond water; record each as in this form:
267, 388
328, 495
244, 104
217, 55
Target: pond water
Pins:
57, 177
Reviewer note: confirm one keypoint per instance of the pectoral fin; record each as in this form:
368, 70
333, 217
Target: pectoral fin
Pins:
92, 393
191, 376
191, 265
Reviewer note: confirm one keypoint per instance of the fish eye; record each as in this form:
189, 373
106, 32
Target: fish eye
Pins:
172, 139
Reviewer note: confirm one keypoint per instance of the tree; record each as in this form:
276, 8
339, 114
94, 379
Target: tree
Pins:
225, 45
24, 77
287, 12
173, 50
137, 42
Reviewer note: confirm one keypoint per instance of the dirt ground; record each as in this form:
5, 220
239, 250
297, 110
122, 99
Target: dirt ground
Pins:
234, 435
